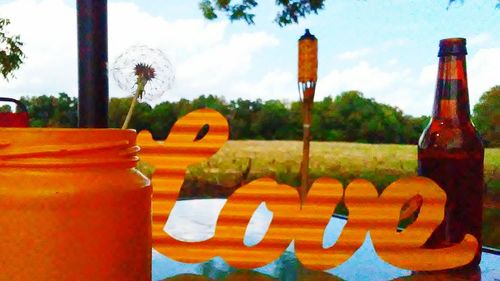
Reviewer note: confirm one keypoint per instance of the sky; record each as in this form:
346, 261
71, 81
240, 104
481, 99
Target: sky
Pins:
385, 49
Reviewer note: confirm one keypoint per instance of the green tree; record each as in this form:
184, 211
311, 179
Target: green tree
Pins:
182, 107
272, 122
414, 127
39, 109
118, 108
290, 11
352, 117
117, 111
162, 119
239, 119
348, 117
487, 116
5, 108
50, 111
325, 121
65, 112
11, 55
211, 101
242, 114
296, 121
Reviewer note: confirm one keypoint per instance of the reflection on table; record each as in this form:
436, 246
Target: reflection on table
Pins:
194, 220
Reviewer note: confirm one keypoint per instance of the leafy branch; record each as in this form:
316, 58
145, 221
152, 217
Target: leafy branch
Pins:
291, 11
11, 55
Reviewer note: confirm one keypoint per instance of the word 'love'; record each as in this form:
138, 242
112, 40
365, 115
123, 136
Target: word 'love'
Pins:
368, 212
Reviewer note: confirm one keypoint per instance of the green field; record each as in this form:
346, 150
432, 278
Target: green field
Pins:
239, 162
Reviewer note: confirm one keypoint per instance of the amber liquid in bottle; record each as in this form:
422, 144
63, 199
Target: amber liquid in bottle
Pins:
451, 153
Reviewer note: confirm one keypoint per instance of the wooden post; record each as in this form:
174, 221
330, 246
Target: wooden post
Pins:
304, 167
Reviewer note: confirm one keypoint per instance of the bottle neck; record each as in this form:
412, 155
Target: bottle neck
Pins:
452, 96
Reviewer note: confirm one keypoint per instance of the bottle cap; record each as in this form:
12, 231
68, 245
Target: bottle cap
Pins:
452, 46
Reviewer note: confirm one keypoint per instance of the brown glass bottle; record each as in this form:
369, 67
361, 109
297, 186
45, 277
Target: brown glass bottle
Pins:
451, 153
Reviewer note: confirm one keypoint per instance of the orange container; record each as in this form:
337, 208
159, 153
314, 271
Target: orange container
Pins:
73, 206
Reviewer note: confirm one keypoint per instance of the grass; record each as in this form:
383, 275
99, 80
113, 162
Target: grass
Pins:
242, 161
239, 162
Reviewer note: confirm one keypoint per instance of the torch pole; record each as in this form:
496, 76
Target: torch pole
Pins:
304, 167
307, 77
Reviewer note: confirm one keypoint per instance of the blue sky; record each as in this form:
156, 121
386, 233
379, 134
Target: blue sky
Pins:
386, 49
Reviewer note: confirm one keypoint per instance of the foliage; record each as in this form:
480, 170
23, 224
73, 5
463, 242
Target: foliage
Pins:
5, 108
351, 117
487, 117
348, 117
163, 117
45, 111
290, 10
271, 122
118, 108
11, 55
462, 1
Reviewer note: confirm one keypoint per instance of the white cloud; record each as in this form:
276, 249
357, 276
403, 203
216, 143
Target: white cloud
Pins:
428, 74
205, 56
483, 70
390, 84
225, 60
479, 39
48, 31
129, 25
362, 76
399, 42
211, 58
392, 62
355, 54
274, 85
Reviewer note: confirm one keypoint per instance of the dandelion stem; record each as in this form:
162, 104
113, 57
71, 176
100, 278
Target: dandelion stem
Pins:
138, 93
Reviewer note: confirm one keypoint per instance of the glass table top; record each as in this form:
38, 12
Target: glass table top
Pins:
194, 220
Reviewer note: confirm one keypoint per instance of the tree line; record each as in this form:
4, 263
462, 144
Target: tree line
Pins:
349, 117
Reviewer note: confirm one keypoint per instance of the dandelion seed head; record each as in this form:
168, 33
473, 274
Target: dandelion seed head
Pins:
149, 63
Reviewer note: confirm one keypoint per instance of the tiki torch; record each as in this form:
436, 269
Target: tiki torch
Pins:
308, 75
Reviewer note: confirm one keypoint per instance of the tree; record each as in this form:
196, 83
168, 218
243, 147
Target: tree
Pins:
118, 108
462, 1
11, 55
49, 111
272, 122
65, 112
352, 117
243, 113
211, 101
162, 119
5, 108
487, 116
290, 10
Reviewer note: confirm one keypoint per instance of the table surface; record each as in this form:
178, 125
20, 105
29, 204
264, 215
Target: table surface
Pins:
194, 220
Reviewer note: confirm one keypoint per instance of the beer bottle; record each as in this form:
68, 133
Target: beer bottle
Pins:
451, 153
